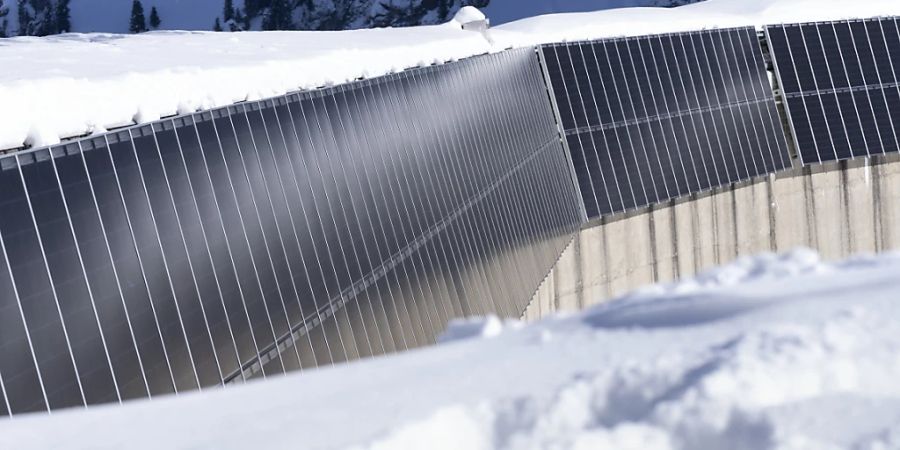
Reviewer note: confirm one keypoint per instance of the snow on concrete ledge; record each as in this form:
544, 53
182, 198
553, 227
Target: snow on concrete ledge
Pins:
75, 84
773, 351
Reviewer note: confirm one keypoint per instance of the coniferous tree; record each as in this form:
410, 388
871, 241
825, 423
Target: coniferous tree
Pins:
138, 23
37, 18
279, 16
4, 22
63, 17
218, 25
234, 24
228, 11
154, 18
24, 17
243, 18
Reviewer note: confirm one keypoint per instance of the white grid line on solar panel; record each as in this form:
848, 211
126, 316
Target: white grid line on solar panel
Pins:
696, 194
667, 116
392, 261
753, 86
870, 71
747, 57
634, 203
804, 44
832, 22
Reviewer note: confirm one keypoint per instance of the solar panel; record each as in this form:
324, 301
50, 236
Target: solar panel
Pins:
280, 234
840, 85
652, 118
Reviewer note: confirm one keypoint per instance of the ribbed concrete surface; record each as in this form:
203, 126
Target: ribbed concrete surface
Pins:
839, 209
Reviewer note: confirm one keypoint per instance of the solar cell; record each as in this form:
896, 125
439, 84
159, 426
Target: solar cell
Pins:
839, 81
648, 119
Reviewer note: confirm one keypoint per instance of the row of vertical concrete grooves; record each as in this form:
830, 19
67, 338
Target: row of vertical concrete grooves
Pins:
838, 209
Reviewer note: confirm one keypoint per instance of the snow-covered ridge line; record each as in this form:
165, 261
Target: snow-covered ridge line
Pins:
79, 84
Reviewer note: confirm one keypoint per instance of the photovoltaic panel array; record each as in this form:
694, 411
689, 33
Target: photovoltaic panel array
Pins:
652, 118
841, 84
271, 236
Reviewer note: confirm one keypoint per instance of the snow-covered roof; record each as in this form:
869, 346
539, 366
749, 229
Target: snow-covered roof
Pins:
768, 352
69, 85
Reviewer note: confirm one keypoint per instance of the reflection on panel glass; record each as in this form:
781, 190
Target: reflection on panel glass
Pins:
280, 235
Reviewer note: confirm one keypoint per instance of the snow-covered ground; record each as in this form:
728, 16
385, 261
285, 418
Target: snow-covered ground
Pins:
697, 16
769, 352
63, 86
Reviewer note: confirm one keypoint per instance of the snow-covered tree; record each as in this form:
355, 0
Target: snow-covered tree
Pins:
39, 17
4, 22
63, 17
279, 16
154, 18
228, 11
217, 26
138, 22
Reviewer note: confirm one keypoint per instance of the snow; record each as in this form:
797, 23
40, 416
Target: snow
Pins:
696, 16
70, 85
74, 84
773, 351
484, 327
468, 14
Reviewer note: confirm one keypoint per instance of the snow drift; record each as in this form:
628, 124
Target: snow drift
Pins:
768, 352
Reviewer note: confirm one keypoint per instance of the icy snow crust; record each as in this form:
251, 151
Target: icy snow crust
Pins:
769, 352
70, 85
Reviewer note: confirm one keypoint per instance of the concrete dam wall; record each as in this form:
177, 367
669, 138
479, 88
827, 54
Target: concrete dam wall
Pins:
838, 209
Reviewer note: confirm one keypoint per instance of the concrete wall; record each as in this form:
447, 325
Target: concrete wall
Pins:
838, 209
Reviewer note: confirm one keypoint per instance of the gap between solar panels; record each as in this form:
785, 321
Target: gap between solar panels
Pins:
652, 118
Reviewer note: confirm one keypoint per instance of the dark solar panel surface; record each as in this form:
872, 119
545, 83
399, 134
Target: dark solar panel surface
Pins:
277, 235
653, 118
841, 84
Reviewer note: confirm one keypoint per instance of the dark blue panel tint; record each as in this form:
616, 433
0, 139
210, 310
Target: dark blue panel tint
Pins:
128, 176
834, 60
95, 252
173, 146
668, 115
299, 231
858, 121
210, 218
784, 62
180, 270
21, 379
802, 129
68, 276
128, 266
36, 295
817, 57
